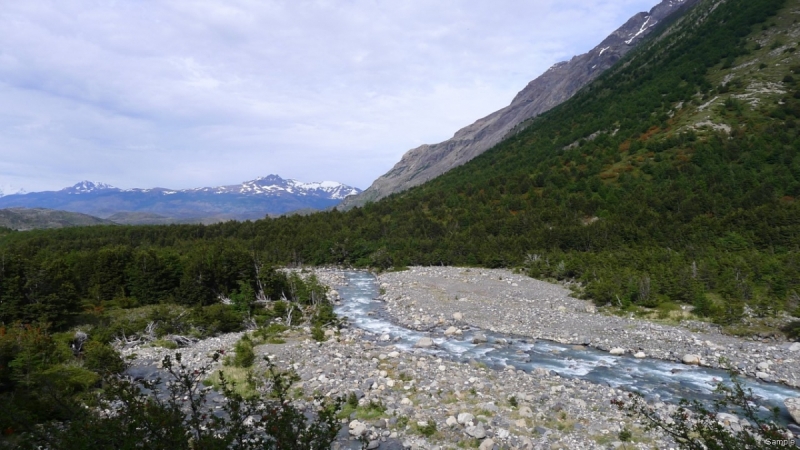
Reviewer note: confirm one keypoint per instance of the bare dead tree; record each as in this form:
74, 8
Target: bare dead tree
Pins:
260, 296
289, 315
150, 330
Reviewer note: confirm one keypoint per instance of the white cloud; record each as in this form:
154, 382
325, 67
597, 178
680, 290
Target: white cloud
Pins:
194, 93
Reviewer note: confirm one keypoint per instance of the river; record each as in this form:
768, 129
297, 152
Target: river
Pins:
655, 379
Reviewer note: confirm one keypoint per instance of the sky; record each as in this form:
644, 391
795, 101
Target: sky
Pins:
184, 94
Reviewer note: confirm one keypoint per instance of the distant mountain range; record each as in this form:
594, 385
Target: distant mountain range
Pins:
255, 199
552, 88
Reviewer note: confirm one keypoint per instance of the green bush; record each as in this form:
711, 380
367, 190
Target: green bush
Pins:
325, 316
352, 400
318, 334
245, 357
101, 357
792, 330
428, 430
273, 329
217, 318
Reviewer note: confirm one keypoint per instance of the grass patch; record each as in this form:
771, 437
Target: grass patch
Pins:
372, 410
562, 423
346, 411
404, 377
164, 343
264, 334
427, 430
240, 379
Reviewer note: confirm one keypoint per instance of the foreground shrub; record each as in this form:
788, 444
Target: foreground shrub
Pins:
142, 415
693, 426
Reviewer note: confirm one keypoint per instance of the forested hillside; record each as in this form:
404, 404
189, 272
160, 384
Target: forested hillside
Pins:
672, 178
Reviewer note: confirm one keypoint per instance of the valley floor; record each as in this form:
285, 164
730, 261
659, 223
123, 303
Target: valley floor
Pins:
502, 301
470, 404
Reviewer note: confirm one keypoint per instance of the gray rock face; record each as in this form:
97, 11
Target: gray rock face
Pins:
550, 89
793, 405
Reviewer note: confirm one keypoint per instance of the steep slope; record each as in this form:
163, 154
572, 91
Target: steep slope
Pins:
255, 199
35, 218
552, 88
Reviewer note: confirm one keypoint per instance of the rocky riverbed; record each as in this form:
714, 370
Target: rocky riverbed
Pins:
412, 399
425, 298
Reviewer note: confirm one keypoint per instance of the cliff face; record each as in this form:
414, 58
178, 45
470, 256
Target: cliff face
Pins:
552, 88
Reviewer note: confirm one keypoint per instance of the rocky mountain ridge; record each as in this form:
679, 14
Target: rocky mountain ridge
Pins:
550, 89
254, 199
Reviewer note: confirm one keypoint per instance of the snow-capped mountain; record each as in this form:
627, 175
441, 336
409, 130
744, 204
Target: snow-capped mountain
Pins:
8, 189
273, 183
85, 187
254, 199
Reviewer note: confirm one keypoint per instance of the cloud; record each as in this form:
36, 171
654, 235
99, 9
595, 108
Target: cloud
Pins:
195, 93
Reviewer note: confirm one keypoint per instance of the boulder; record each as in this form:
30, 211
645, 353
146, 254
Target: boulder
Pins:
458, 316
727, 419
450, 331
477, 431
486, 445
525, 411
425, 342
793, 405
357, 428
690, 359
479, 338
489, 406
465, 418
795, 347
640, 355
617, 351
451, 421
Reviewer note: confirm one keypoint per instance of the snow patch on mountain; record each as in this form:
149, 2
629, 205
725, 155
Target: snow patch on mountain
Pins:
8, 189
85, 187
641, 30
269, 185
